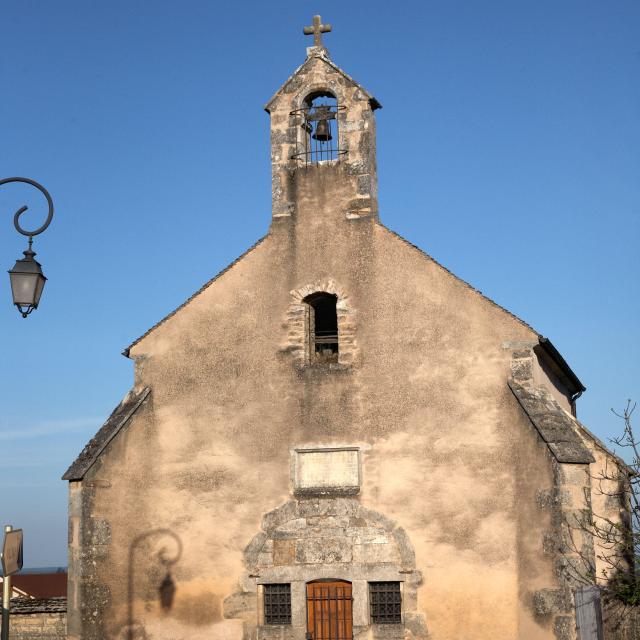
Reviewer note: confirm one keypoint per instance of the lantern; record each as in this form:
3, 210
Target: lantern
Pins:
27, 282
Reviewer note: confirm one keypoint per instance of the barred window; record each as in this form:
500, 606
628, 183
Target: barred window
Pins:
277, 604
385, 602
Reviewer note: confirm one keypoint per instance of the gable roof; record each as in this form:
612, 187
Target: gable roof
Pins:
319, 56
25, 606
195, 295
560, 364
116, 421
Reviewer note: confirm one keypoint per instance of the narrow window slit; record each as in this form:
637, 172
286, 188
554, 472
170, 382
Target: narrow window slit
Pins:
322, 327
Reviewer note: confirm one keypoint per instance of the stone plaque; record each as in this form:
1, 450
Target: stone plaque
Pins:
326, 471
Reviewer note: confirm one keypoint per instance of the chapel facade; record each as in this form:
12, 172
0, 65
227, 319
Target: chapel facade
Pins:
335, 438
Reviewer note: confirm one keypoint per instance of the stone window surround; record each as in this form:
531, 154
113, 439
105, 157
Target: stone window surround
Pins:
297, 339
361, 610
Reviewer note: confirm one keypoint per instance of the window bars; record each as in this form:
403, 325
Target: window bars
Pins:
385, 601
277, 604
320, 134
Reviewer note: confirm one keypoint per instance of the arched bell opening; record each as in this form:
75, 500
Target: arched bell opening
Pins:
318, 120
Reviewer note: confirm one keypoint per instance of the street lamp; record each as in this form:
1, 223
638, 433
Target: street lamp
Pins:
27, 279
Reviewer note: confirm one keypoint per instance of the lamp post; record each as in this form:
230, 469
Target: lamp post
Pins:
27, 279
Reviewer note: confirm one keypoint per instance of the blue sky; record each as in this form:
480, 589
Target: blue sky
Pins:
508, 148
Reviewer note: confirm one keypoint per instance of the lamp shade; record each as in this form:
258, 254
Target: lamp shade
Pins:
27, 283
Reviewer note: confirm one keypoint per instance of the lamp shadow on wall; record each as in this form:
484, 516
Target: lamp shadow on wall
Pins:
167, 555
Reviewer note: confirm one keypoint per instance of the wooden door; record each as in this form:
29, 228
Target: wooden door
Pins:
329, 610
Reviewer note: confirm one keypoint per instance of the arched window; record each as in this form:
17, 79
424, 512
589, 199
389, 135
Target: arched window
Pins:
319, 122
322, 326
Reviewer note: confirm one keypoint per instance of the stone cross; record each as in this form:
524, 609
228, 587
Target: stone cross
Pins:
317, 30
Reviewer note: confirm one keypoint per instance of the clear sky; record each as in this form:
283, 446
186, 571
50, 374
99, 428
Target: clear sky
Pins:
508, 149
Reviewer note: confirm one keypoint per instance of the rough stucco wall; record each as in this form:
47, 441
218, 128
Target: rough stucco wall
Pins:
448, 456
450, 459
542, 375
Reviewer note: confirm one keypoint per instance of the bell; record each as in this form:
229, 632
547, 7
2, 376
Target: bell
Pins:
322, 132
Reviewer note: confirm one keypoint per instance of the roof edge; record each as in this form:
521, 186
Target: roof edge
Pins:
375, 104
458, 278
556, 357
79, 467
194, 295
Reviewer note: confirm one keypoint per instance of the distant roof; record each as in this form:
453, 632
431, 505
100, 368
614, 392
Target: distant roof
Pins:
41, 570
41, 585
120, 416
21, 606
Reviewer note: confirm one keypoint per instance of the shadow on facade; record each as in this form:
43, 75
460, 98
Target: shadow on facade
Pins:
168, 555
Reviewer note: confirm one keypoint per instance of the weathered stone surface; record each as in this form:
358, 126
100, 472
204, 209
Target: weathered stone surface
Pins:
324, 550
547, 602
284, 552
564, 628
416, 625
238, 605
279, 516
405, 548
554, 425
254, 548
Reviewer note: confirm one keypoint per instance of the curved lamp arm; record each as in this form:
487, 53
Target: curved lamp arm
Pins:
21, 210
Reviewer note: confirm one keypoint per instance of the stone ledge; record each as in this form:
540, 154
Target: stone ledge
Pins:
555, 426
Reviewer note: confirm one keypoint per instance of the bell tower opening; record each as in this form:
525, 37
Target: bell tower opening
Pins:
322, 327
319, 123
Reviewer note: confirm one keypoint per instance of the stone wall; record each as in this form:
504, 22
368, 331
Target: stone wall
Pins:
39, 619
326, 537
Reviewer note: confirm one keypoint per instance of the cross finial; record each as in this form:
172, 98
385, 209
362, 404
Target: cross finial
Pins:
317, 30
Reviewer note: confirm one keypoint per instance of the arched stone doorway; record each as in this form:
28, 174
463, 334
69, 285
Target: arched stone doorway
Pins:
331, 541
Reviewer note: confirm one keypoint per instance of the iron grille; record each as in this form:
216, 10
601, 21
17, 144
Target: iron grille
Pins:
386, 602
277, 604
315, 148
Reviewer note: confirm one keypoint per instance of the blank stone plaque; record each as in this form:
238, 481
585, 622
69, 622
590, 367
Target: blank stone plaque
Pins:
326, 471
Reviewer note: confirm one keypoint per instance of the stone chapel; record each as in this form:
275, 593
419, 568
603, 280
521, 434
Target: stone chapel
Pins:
335, 438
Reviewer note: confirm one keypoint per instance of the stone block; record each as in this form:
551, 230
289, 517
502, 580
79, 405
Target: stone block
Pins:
284, 552
416, 624
522, 371
405, 548
374, 553
279, 516
549, 601
98, 531
327, 507
254, 548
239, 605
564, 628
324, 550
